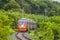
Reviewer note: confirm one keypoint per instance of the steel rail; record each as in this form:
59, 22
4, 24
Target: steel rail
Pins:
23, 36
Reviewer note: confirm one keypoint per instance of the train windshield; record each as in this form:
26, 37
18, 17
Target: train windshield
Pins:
22, 22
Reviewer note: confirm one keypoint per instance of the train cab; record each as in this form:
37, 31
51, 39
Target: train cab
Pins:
23, 25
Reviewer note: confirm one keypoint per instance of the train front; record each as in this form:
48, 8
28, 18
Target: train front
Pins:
23, 25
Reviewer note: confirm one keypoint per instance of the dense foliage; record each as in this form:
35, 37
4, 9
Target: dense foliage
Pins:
48, 25
48, 29
32, 6
5, 29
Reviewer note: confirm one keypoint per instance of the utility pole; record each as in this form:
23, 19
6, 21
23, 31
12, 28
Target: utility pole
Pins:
23, 12
45, 14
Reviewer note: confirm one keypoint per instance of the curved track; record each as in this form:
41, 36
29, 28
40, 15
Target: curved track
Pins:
21, 36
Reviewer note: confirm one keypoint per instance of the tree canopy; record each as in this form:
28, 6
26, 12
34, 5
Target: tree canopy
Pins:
45, 12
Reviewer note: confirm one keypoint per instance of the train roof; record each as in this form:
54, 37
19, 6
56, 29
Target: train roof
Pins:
29, 20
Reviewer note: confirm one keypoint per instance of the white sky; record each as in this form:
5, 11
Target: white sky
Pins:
57, 0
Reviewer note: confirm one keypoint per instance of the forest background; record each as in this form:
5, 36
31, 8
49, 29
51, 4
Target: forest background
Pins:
45, 12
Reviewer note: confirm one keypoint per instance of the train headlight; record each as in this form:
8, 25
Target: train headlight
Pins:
22, 25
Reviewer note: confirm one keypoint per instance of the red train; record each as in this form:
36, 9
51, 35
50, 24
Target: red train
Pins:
25, 24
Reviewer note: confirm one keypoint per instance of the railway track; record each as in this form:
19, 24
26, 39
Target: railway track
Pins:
22, 36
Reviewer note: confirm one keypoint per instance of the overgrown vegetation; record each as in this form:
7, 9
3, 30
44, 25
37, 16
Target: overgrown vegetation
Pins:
48, 24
